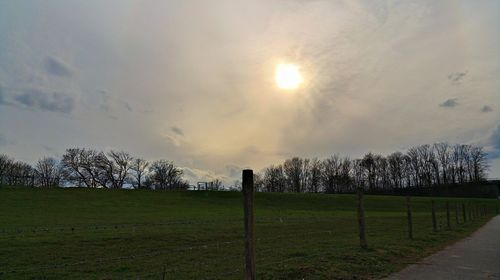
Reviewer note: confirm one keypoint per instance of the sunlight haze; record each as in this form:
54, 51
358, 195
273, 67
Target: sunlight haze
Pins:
200, 82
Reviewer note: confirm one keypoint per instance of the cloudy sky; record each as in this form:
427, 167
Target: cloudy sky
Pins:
193, 81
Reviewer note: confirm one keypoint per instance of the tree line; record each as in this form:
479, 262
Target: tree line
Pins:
422, 166
93, 169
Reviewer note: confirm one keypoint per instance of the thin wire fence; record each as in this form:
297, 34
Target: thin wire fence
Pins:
69, 229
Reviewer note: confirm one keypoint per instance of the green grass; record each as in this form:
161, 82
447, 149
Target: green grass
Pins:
123, 234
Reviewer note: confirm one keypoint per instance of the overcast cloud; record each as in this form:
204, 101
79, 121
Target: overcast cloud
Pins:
199, 77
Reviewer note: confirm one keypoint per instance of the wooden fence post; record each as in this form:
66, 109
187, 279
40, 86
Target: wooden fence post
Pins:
457, 219
434, 222
249, 224
448, 222
410, 218
361, 220
464, 212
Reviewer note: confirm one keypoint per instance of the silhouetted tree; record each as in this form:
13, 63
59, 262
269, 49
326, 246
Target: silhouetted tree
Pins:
315, 169
443, 156
114, 166
294, 171
5, 165
138, 172
330, 171
166, 176
274, 179
396, 168
479, 164
82, 167
48, 172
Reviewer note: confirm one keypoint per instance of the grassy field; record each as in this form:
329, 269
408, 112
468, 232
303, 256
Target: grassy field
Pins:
124, 234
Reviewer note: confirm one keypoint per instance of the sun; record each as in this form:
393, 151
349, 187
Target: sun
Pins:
288, 76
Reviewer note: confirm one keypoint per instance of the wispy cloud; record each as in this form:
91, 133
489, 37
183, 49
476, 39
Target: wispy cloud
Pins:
57, 67
54, 102
486, 109
177, 130
450, 103
457, 77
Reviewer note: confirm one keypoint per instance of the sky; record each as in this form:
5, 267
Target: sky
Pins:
193, 81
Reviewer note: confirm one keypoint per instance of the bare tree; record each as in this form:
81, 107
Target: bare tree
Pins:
368, 163
358, 173
258, 182
330, 172
479, 164
293, 172
48, 172
5, 164
139, 170
20, 174
315, 175
166, 176
426, 159
344, 180
413, 159
443, 156
305, 174
396, 168
115, 166
274, 179
82, 167
381, 172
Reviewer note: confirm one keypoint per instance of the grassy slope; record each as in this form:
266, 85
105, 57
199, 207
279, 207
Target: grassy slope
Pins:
103, 234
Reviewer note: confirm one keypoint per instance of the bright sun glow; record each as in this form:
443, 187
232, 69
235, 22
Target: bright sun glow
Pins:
288, 76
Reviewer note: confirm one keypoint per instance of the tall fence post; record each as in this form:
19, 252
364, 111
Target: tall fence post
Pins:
464, 212
434, 222
249, 224
361, 220
448, 222
457, 219
410, 218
